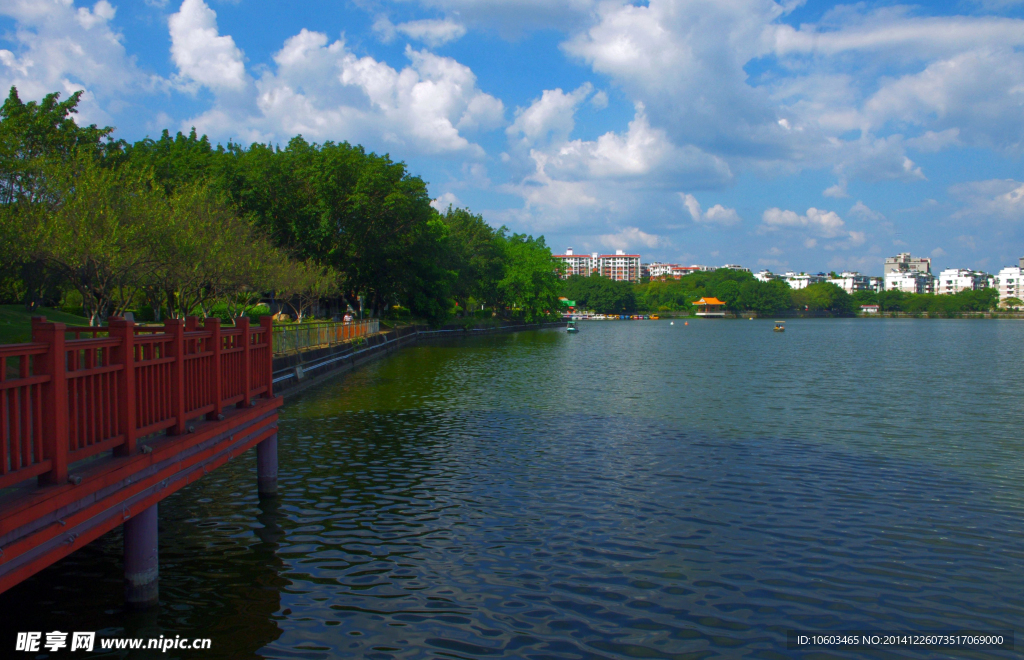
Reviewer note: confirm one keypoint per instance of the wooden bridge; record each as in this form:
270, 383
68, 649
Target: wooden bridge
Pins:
97, 425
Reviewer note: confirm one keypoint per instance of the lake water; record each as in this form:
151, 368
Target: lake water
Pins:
638, 490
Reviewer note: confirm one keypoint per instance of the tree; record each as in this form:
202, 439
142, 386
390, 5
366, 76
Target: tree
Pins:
101, 235
474, 256
529, 286
824, 296
601, 294
306, 283
34, 139
1012, 303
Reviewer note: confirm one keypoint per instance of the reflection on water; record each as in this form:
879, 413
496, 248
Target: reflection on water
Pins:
637, 490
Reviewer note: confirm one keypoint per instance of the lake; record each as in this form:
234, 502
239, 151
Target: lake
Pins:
637, 490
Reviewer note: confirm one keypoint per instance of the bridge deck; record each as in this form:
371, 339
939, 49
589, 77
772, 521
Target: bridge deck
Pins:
94, 431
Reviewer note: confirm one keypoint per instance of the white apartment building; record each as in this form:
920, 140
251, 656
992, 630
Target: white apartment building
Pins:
852, 282
910, 281
801, 280
575, 264
619, 266
658, 269
903, 263
954, 280
1010, 282
736, 267
766, 276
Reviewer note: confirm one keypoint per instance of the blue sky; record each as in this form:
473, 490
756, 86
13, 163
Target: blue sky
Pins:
782, 135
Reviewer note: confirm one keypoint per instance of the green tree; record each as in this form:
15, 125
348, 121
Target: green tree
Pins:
529, 285
101, 235
824, 296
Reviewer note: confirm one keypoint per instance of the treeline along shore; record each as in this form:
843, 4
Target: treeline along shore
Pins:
177, 226
741, 292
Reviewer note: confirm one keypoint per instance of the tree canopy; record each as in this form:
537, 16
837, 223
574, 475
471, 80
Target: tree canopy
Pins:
177, 223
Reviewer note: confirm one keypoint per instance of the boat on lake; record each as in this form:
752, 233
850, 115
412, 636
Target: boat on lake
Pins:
571, 326
780, 326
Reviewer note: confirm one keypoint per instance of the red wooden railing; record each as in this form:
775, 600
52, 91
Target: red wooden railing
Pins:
63, 400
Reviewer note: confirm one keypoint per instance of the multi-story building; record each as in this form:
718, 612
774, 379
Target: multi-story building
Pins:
954, 280
852, 282
736, 267
903, 263
1010, 282
766, 276
802, 280
910, 281
619, 266
656, 269
575, 264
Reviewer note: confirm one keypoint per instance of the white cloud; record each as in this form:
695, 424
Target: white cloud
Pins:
433, 32
716, 215
826, 224
101, 13
861, 210
512, 17
813, 225
56, 47
630, 237
643, 151
891, 31
322, 90
445, 200
201, 54
549, 118
1001, 199
838, 191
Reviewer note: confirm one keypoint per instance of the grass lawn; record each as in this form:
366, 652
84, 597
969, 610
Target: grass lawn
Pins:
16, 323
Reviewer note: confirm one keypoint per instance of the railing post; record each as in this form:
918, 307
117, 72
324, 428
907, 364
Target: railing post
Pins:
213, 325
55, 399
124, 354
175, 328
267, 323
246, 340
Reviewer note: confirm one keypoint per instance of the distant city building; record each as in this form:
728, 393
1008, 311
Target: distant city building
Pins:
802, 280
904, 263
954, 280
736, 267
766, 276
910, 281
1010, 282
620, 266
658, 269
852, 282
575, 264
869, 309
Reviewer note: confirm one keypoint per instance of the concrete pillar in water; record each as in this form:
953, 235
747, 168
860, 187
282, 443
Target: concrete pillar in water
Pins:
266, 466
141, 559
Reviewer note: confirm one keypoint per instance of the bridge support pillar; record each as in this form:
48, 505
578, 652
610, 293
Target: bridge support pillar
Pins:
266, 466
141, 559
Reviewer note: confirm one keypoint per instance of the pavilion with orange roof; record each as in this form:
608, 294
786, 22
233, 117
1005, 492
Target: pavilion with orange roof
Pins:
710, 307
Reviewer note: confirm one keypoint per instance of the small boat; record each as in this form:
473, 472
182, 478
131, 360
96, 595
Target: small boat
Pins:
780, 326
571, 326
654, 317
